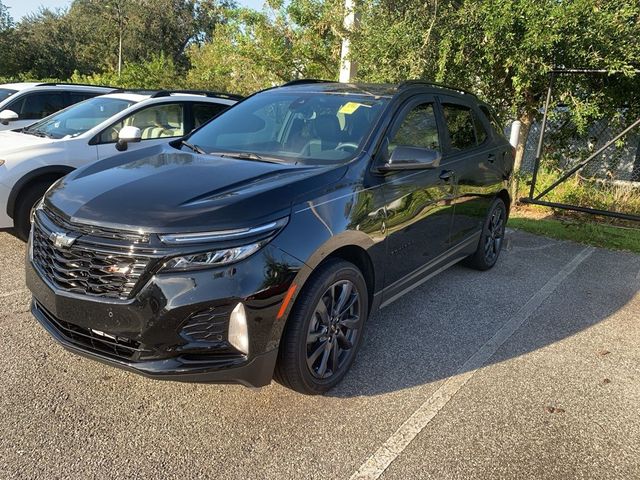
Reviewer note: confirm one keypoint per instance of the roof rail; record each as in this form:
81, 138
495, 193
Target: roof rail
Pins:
56, 84
166, 93
304, 81
410, 83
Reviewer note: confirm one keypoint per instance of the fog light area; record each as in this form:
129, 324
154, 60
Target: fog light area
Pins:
238, 332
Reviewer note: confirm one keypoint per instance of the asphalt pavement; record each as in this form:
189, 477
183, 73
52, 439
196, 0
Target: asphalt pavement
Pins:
530, 370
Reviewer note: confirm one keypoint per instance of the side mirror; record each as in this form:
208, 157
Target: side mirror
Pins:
412, 158
128, 135
7, 116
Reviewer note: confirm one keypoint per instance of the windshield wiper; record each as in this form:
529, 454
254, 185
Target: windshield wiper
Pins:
194, 148
247, 156
37, 133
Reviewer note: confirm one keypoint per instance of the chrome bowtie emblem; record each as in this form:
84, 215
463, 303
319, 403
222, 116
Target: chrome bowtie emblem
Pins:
63, 240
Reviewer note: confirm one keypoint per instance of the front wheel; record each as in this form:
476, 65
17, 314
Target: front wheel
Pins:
24, 208
324, 330
491, 239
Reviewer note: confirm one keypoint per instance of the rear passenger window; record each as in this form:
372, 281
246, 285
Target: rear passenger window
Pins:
79, 97
460, 124
418, 129
40, 105
495, 123
203, 112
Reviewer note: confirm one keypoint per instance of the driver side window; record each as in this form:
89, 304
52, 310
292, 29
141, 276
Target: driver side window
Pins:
159, 121
418, 129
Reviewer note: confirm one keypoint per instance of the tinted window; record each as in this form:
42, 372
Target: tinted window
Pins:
460, 125
79, 97
493, 120
481, 133
203, 112
159, 121
418, 129
40, 105
5, 93
306, 127
79, 118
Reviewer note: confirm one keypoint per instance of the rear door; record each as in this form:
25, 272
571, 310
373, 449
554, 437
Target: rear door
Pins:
32, 107
419, 205
471, 154
158, 123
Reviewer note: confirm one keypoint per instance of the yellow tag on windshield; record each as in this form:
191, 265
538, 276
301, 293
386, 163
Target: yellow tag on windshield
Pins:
350, 107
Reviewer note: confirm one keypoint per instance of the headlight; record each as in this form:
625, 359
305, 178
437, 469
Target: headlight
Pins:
215, 258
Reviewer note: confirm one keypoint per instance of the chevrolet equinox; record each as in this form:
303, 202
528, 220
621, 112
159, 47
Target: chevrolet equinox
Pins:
258, 245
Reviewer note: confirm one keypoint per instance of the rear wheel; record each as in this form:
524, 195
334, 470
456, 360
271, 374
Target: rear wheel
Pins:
24, 207
324, 329
492, 238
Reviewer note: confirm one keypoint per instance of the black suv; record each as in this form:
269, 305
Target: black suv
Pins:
261, 242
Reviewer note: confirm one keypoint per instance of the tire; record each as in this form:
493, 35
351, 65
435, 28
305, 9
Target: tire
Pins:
26, 201
491, 239
309, 330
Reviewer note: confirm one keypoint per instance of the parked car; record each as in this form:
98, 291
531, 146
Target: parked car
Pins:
261, 242
34, 157
22, 104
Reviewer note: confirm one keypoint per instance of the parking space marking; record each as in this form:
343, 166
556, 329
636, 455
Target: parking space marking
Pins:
13, 292
375, 465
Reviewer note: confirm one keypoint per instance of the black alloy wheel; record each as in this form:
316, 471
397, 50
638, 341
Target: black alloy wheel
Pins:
324, 329
491, 239
333, 330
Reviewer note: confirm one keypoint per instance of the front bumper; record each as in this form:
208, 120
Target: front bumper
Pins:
146, 334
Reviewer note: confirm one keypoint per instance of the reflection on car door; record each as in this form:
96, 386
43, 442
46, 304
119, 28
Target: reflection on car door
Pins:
157, 123
471, 155
418, 203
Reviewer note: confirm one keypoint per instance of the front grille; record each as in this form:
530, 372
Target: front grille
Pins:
86, 268
112, 345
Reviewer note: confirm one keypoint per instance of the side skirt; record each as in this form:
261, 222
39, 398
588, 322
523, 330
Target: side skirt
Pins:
416, 278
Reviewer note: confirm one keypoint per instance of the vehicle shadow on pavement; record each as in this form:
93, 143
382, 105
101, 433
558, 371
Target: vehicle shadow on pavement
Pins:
429, 334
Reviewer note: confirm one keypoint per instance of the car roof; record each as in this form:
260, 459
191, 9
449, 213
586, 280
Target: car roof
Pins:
20, 86
371, 89
159, 95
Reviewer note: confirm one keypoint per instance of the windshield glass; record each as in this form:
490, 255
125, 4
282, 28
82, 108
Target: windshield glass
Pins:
78, 118
309, 128
6, 93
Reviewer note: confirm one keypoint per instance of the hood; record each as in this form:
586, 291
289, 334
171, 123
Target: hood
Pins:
16, 142
161, 189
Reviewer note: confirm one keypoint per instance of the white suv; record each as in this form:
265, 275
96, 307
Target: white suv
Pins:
35, 157
21, 104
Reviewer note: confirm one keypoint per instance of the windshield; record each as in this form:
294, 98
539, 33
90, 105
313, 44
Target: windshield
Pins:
6, 93
292, 127
78, 118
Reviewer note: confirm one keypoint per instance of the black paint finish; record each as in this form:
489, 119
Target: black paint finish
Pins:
400, 228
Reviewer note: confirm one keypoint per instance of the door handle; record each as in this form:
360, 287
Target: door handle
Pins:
491, 158
446, 175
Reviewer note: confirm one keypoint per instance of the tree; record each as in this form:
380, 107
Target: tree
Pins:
7, 40
254, 50
502, 49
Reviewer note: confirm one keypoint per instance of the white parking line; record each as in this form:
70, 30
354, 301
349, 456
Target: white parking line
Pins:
375, 465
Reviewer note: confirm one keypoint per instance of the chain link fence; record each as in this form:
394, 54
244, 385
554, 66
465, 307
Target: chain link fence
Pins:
583, 166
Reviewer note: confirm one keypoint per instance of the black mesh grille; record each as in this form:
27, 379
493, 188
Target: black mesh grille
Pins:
87, 269
111, 345
207, 325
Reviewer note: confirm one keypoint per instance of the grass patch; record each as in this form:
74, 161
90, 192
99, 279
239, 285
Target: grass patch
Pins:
578, 230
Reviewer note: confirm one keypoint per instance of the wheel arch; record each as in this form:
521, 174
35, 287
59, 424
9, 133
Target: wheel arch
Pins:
50, 172
506, 198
